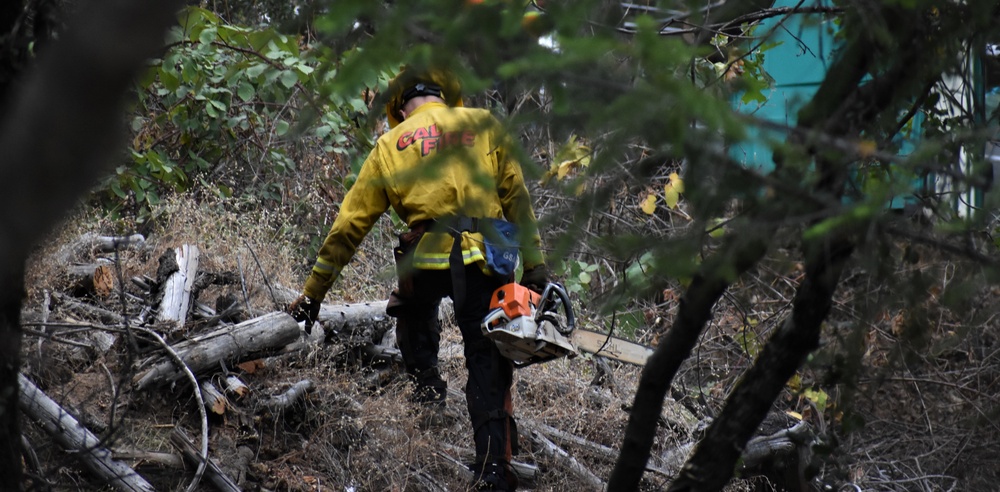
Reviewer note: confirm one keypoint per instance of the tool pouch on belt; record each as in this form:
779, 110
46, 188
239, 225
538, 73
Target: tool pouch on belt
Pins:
403, 254
500, 238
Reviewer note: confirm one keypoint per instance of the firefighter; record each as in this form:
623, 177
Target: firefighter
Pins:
447, 172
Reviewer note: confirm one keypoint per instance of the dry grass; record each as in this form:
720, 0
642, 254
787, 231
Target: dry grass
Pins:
928, 410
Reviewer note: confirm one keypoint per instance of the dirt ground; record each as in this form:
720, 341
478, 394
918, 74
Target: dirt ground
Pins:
914, 416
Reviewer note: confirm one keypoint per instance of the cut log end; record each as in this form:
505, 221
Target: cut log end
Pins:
104, 281
93, 279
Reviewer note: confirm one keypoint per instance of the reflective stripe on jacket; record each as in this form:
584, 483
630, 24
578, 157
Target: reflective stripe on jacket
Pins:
439, 162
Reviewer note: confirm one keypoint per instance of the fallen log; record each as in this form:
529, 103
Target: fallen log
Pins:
783, 456
549, 449
190, 452
89, 243
358, 324
290, 397
139, 456
176, 274
527, 473
231, 345
73, 436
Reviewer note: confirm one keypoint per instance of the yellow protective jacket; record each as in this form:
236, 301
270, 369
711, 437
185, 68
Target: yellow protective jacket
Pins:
439, 162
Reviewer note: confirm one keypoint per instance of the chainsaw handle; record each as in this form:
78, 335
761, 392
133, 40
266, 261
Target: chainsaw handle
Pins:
557, 289
491, 317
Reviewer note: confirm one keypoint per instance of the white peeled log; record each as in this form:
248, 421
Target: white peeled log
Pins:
251, 339
76, 438
85, 245
236, 387
215, 401
177, 287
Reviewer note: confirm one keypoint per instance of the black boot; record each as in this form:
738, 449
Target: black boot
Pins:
431, 390
493, 475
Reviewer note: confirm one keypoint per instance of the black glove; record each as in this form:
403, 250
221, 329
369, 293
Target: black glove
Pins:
305, 309
535, 278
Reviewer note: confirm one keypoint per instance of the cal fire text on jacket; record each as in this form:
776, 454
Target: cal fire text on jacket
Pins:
430, 139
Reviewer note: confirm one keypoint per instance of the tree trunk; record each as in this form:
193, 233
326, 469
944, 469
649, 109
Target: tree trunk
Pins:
695, 312
714, 459
56, 135
233, 344
215, 401
11, 294
845, 106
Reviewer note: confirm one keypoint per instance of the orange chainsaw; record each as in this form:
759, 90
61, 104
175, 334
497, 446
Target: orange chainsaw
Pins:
529, 328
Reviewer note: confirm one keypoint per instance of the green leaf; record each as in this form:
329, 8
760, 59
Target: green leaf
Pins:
207, 36
281, 127
323, 131
288, 78
116, 188
818, 397
256, 69
246, 91
168, 77
716, 227
854, 216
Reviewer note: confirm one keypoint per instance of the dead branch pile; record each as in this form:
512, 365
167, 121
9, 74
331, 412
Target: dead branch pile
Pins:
145, 378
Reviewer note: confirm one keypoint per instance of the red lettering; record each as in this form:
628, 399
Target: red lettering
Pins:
427, 145
404, 141
432, 139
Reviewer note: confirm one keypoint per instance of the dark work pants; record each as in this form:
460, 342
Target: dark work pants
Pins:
490, 374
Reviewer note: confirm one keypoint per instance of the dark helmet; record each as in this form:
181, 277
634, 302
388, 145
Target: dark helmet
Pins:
410, 83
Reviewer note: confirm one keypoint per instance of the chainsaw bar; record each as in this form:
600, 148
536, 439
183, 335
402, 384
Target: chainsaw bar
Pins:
601, 344
528, 330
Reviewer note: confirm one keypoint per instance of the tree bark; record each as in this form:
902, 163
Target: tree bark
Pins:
91, 279
74, 437
290, 397
182, 265
11, 275
236, 387
233, 344
56, 135
714, 459
215, 401
695, 311
845, 106
81, 249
